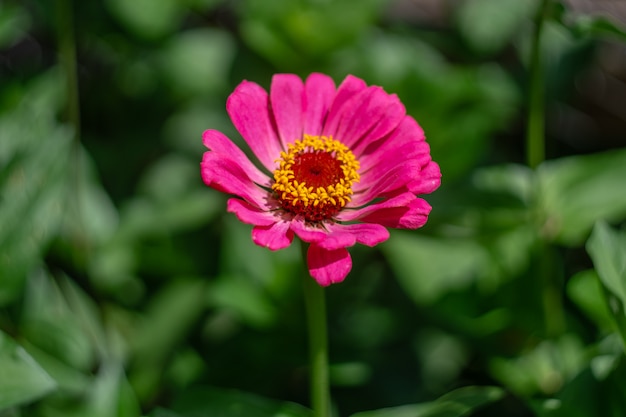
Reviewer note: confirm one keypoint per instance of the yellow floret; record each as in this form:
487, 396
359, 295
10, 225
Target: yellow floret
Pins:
322, 200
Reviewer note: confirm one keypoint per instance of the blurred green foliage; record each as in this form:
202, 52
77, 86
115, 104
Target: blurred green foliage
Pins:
126, 290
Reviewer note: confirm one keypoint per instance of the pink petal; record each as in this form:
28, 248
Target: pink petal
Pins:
249, 214
227, 176
274, 237
248, 107
350, 86
429, 179
319, 91
400, 200
328, 266
406, 141
376, 165
337, 238
366, 117
339, 123
365, 234
404, 211
409, 173
391, 178
287, 96
386, 110
307, 233
220, 144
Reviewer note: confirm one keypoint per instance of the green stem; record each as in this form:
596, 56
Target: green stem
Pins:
535, 136
536, 154
66, 39
315, 302
67, 58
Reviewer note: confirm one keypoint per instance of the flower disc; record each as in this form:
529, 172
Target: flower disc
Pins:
315, 177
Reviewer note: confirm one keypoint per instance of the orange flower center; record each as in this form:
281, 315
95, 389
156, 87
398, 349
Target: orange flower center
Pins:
315, 177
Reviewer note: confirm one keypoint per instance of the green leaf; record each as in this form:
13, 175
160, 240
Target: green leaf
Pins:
108, 394
544, 369
598, 27
216, 402
181, 130
607, 248
291, 34
91, 215
49, 323
198, 62
70, 380
245, 298
472, 397
88, 316
273, 271
34, 168
170, 313
443, 357
267, 41
488, 25
14, 24
457, 403
577, 191
480, 100
163, 328
511, 179
148, 18
585, 290
174, 199
586, 395
349, 374
162, 412
22, 380
428, 267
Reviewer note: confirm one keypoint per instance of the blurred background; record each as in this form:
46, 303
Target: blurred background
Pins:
126, 289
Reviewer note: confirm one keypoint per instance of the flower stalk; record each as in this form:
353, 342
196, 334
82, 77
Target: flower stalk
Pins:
535, 136
535, 155
67, 59
315, 304
66, 39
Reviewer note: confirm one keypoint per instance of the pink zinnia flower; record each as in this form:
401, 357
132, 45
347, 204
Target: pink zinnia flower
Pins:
339, 166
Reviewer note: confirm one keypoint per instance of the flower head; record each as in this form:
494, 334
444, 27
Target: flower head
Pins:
338, 167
